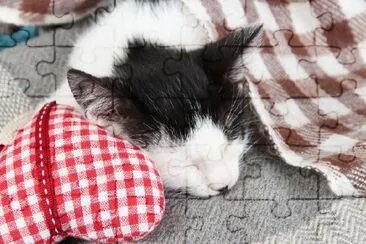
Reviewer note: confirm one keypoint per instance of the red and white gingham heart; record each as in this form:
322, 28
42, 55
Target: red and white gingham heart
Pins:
63, 176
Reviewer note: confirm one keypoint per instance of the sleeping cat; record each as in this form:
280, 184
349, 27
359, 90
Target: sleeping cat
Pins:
154, 78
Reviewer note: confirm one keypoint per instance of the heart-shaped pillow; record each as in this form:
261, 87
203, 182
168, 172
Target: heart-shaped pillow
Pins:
64, 176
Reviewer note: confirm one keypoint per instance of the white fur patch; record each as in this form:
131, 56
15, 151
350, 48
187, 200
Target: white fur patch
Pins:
203, 164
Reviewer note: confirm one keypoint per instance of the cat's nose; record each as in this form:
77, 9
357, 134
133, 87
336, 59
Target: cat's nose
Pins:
220, 187
223, 189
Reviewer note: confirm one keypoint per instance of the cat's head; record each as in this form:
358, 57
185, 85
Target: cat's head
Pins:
187, 109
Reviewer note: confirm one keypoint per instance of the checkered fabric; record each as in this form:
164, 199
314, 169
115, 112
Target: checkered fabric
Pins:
307, 79
63, 176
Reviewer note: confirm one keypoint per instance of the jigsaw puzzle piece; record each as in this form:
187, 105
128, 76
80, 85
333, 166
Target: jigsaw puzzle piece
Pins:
55, 76
261, 219
344, 82
10, 86
76, 30
304, 20
175, 221
288, 40
277, 201
348, 154
336, 224
325, 193
303, 209
34, 85
44, 39
12, 97
291, 45
282, 16
248, 170
280, 70
171, 67
289, 180
341, 155
235, 14
68, 14
304, 142
64, 18
213, 216
329, 36
293, 79
257, 11
358, 67
67, 34
55, 67
298, 144
224, 21
294, 113
189, 10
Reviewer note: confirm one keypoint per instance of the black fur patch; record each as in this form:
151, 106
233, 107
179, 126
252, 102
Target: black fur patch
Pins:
164, 89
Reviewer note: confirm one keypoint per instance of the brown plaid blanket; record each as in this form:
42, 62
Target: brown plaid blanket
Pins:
307, 79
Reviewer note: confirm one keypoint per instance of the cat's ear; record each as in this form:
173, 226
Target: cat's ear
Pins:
104, 98
224, 58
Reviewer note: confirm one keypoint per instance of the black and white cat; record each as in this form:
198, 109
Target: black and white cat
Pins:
144, 71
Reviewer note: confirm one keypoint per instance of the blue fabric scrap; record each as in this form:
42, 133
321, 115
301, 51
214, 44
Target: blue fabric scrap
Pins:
23, 34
